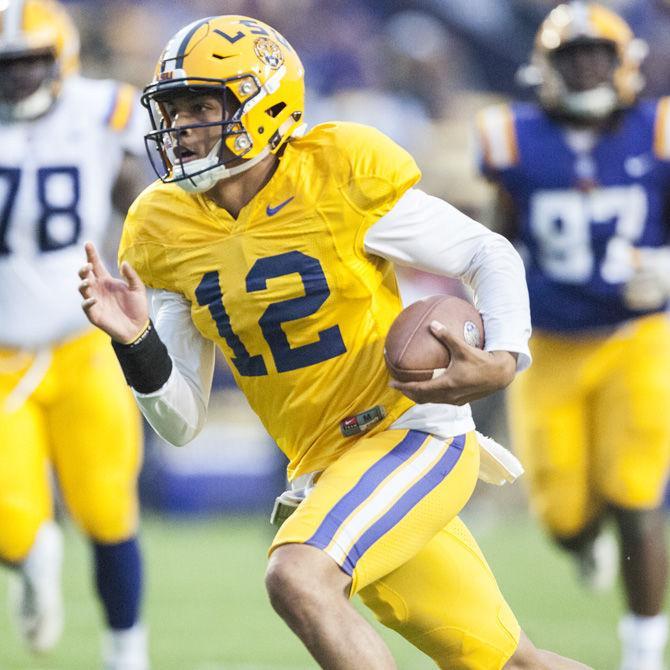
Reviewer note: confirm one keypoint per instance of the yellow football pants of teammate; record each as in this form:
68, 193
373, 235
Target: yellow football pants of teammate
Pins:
67, 410
590, 421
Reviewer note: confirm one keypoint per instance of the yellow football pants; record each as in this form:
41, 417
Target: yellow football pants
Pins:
386, 512
590, 421
70, 409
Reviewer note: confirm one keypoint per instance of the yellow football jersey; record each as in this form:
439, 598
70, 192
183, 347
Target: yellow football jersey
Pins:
286, 290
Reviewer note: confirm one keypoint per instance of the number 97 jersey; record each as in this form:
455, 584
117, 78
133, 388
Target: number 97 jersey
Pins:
579, 198
57, 173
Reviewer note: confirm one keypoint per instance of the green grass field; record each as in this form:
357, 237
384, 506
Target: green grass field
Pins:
207, 609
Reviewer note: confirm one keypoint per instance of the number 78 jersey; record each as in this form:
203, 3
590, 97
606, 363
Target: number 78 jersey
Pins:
56, 178
576, 209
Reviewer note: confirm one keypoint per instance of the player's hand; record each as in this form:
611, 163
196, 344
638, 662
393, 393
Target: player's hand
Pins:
649, 286
117, 306
471, 374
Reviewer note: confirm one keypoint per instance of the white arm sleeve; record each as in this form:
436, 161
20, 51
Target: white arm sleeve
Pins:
177, 411
429, 234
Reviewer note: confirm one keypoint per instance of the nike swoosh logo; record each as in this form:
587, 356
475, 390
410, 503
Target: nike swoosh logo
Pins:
271, 211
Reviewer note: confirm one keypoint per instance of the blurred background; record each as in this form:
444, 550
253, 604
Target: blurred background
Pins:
418, 70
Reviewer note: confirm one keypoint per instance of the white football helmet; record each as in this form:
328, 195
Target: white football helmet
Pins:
39, 48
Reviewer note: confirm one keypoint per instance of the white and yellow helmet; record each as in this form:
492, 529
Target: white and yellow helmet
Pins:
254, 69
581, 22
31, 29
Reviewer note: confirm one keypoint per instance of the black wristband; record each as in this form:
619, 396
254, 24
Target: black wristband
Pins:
145, 362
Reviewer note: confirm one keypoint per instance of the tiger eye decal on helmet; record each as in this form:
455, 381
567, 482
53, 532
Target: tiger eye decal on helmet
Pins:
251, 71
576, 25
35, 30
268, 52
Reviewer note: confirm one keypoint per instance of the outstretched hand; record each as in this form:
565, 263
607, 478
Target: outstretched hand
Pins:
470, 375
117, 306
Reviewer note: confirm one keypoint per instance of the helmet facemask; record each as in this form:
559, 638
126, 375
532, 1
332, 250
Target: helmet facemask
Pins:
258, 81
39, 49
585, 64
29, 83
197, 155
583, 74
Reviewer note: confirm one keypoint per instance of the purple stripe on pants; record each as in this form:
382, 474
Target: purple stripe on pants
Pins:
365, 486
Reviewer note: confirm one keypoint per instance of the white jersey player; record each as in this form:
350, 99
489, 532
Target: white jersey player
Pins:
69, 148
56, 175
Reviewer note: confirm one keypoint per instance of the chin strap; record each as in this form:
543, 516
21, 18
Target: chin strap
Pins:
29, 108
209, 176
596, 103
202, 182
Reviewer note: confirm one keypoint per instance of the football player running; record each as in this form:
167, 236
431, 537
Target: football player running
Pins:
66, 147
278, 246
583, 183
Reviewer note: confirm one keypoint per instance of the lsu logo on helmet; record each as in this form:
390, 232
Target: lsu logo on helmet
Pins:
259, 79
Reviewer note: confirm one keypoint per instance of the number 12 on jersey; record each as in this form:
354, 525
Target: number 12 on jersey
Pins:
329, 343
